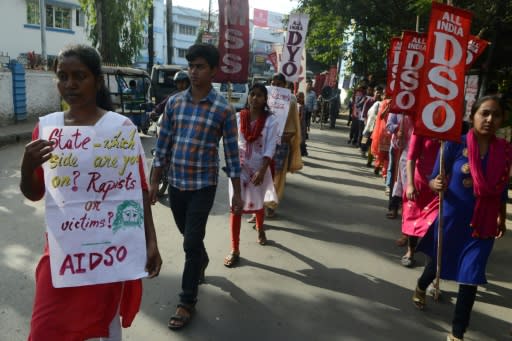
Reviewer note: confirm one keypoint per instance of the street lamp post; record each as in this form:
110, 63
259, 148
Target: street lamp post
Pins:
42, 21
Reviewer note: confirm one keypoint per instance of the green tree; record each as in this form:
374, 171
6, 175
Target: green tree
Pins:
368, 23
116, 27
374, 22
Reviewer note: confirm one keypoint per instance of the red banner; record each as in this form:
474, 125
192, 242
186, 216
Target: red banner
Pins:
440, 109
332, 76
411, 61
233, 41
260, 17
476, 47
392, 64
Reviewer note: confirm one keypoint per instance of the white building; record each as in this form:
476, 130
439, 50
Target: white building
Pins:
186, 25
159, 37
20, 27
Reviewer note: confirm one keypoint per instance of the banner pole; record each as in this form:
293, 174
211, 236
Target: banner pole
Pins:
230, 92
439, 225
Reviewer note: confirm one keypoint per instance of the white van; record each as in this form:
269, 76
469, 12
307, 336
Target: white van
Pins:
239, 93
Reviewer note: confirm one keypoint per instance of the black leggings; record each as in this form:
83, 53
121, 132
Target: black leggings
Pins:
465, 300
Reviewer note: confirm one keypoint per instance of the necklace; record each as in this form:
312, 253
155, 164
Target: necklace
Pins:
245, 125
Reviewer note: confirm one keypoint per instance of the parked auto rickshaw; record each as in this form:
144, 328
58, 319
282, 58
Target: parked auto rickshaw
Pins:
129, 91
162, 83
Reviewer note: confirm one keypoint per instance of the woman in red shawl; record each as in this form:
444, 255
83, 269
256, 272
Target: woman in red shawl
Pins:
476, 181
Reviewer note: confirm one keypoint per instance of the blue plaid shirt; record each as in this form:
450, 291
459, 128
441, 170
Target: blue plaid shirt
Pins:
189, 139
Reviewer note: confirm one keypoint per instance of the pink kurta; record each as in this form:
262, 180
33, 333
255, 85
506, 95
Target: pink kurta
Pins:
424, 151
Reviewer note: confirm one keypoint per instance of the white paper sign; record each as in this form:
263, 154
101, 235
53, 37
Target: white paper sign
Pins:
94, 210
293, 46
279, 103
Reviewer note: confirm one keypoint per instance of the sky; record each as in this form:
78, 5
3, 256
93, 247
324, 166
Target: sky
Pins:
279, 6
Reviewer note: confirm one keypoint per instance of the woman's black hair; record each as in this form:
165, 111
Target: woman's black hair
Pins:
483, 99
92, 60
209, 52
280, 77
263, 89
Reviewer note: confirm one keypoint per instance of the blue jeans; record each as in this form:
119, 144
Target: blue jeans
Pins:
190, 210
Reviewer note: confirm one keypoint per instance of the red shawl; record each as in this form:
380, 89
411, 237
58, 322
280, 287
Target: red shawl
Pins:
245, 125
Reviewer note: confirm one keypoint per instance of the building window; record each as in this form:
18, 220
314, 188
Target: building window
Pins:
187, 30
56, 17
182, 53
33, 12
80, 18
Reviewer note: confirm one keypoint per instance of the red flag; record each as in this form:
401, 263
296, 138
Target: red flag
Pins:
333, 72
440, 109
476, 47
233, 41
260, 17
392, 64
411, 61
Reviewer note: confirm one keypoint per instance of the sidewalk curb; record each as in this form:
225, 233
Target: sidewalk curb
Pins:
14, 138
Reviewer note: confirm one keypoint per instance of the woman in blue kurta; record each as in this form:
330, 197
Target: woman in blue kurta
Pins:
474, 207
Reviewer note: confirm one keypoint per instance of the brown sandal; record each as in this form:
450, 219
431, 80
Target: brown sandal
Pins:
178, 321
419, 298
262, 238
232, 259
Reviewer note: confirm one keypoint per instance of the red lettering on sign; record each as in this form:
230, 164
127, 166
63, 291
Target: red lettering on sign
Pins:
77, 141
74, 263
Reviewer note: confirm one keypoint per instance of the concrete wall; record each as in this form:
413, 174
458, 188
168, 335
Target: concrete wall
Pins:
42, 95
6, 105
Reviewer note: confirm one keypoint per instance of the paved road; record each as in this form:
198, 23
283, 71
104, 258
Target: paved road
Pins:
329, 272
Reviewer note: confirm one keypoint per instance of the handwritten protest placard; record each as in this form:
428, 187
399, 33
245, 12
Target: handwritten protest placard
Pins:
94, 210
279, 103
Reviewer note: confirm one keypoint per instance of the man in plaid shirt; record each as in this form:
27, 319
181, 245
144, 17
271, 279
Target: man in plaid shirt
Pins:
194, 121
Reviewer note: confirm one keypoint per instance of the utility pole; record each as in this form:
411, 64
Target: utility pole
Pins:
169, 30
42, 21
209, 15
151, 47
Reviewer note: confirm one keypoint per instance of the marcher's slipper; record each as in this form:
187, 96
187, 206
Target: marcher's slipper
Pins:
408, 262
419, 298
179, 321
262, 238
231, 260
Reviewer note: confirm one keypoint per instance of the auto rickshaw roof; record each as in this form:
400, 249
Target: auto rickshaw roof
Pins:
169, 67
124, 70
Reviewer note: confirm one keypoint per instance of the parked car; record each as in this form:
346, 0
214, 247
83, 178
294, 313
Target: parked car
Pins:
239, 93
162, 83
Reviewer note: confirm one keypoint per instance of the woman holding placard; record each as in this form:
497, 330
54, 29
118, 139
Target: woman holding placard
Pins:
81, 312
476, 181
